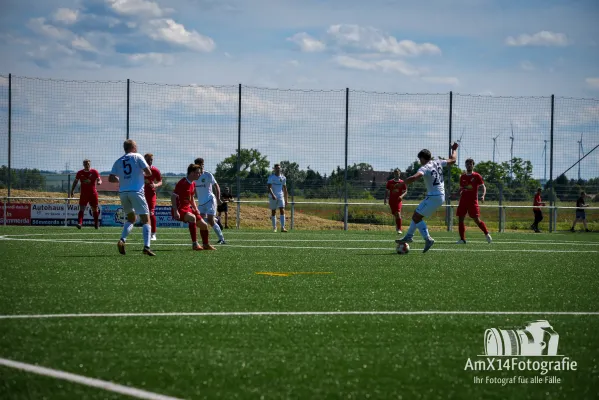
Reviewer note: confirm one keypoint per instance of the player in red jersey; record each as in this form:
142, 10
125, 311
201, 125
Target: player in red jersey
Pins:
89, 178
469, 184
396, 190
184, 208
537, 202
151, 183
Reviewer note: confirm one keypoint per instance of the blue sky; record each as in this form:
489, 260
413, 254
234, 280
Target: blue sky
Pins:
478, 47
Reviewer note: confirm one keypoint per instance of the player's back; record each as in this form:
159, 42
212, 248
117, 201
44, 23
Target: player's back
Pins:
433, 177
203, 187
130, 170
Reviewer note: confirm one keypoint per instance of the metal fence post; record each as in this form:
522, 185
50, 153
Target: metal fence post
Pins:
345, 213
501, 209
448, 209
128, 103
552, 221
9, 136
292, 206
238, 156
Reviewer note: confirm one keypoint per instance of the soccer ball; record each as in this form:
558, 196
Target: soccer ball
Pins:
402, 248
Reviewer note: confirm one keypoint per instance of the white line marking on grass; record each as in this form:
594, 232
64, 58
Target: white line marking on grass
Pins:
291, 313
391, 248
97, 383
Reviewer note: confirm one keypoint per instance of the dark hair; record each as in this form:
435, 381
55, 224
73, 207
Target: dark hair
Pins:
397, 169
199, 161
470, 160
86, 161
148, 155
192, 168
539, 189
426, 154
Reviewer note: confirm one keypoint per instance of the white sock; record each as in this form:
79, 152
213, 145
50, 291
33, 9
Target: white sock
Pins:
147, 233
411, 229
218, 232
423, 230
127, 228
282, 218
273, 219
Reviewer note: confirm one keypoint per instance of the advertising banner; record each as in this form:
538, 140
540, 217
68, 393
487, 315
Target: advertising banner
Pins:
54, 214
113, 215
16, 214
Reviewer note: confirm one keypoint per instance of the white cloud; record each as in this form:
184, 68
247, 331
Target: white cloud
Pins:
38, 25
137, 8
307, 43
443, 80
368, 38
80, 43
167, 30
65, 16
151, 58
593, 82
543, 38
527, 66
382, 65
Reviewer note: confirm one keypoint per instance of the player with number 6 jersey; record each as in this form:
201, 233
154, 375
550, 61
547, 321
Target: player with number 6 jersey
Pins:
432, 173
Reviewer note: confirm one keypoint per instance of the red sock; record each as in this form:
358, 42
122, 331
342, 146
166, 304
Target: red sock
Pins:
462, 230
193, 230
80, 217
204, 235
153, 222
96, 216
483, 227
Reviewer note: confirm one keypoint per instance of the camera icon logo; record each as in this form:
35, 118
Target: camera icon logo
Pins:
537, 338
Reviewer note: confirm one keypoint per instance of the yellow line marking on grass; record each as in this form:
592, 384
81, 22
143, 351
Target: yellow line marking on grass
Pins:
291, 273
84, 380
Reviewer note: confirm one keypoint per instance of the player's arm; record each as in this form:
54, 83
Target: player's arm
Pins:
147, 172
403, 194
454, 154
75, 182
113, 178
414, 178
386, 195
482, 199
272, 194
217, 194
175, 212
285, 194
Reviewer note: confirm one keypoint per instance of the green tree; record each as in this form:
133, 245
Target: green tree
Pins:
252, 164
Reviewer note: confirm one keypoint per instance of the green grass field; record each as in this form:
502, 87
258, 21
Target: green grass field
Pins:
291, 334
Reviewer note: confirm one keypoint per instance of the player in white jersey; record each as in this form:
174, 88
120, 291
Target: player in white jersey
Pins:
432, 171
277, 197
207, 201
129, 172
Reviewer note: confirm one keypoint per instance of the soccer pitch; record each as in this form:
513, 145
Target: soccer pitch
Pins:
306, 314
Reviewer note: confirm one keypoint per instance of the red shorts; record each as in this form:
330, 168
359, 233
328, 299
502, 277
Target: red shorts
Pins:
91, 198
188, 210
151, 199
471, 208
395, 206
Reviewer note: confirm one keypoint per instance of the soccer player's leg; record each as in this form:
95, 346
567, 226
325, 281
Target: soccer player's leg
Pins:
141, 206
474, 213
83, 201
128, 225
200, 223
95, 205
281, 205
461, 214
272, 204
208, 212
152, 208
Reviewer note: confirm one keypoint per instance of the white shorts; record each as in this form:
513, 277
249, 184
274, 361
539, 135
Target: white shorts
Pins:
134, 202
208, 208
276, 203
429, 205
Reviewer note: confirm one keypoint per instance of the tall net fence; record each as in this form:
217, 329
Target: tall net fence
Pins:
319, 138
178, 124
